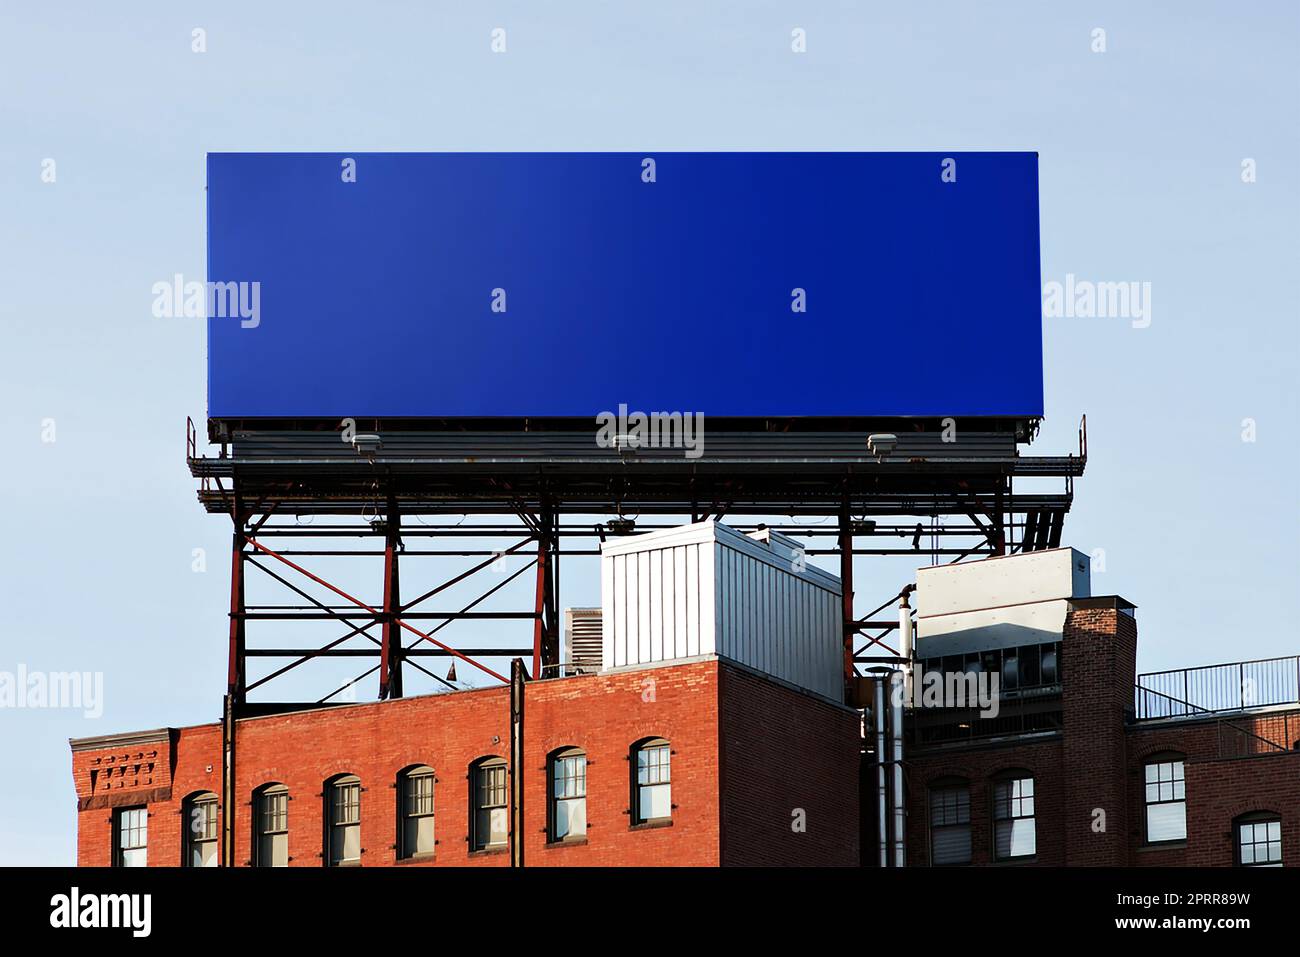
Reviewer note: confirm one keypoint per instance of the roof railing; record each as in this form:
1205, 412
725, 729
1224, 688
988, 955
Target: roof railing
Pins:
1213, 689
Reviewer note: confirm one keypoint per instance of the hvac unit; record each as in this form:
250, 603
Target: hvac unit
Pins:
707, 589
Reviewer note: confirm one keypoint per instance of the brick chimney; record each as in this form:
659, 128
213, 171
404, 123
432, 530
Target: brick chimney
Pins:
1099, 665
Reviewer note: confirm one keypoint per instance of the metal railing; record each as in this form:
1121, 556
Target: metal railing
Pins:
1211, 689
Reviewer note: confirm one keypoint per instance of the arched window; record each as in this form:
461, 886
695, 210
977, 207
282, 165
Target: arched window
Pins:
415, 801
1015, 832
652, 798
343, 821
199, 819
271, 826
567, 810
489, 817
950, 822
1258, 837
1165, 797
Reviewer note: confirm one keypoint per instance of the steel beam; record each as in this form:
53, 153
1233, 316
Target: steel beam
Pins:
390, 661
849, 624
360, 604
236, 676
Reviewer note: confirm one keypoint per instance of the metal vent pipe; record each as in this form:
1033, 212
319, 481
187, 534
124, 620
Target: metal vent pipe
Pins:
882, 790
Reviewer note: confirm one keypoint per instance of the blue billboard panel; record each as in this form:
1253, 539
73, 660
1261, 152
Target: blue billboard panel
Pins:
568, 284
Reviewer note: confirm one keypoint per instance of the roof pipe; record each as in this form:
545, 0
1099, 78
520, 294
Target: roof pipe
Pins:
906, 649
882, 789
896, 688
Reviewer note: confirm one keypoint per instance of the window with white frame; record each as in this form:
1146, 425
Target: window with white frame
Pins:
1259, 840
416, 786
271, 825
200, 817
131, 839
652, 786
344, 810
1014, 829
568, 810
1166, 800
489, 818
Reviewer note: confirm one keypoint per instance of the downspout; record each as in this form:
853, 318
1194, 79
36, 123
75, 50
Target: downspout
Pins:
517, 762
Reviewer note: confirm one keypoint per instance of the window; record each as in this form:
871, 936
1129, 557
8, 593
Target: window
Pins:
1024, 670
568, 805
271, 824
950, 824
1166, 800
1013, 818
489, 820
652, 786
416, 833
343, 810
200, 822
1259, 840
132, 837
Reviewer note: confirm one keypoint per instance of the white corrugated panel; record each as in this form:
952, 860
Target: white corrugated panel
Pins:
707, 589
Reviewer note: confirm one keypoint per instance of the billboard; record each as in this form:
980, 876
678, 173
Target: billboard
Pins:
568, 284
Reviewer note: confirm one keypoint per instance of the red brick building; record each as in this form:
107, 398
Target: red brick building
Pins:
706, 761
746, 770
1093, 775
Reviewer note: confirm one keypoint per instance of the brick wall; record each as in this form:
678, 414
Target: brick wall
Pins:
1098, 664
789, 776
602, 714
1097, 764
979, 767
1218, 789
136, 771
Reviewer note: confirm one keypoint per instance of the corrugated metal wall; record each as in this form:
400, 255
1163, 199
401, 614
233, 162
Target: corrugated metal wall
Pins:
726, 595
778, 622
658, 604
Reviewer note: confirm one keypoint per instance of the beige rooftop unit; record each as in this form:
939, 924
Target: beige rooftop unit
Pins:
998, 602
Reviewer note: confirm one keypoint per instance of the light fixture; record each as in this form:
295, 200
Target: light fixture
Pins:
881, 444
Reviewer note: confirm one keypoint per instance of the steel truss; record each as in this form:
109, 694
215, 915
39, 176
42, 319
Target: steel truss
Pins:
949, 507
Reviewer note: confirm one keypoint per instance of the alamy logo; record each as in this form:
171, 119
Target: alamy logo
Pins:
201, 300
1085, 299
74, 909
656, 430
82, 690
953, 689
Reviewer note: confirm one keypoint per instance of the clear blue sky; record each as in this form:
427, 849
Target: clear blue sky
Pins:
1141, 150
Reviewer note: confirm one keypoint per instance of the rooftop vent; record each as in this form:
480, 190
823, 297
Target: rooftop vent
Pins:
582, 641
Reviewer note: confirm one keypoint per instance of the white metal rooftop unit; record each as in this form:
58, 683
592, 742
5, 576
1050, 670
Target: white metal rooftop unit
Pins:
998, 602
707, 589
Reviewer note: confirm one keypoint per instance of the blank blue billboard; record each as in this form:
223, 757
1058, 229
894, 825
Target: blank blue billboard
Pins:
568, 284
